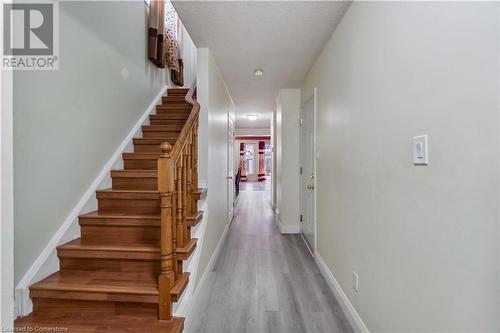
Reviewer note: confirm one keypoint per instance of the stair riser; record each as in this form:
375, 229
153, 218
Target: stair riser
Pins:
140, 164
153, 148
116, 222
177, 112
144, 268
76, 307
166, 99
173, 103
164, 128
177, 92
138, 183
93, 296
131, 206
167, 121
114, 234
174, 106
161, 134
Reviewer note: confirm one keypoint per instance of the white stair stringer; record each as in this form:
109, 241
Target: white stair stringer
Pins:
182, 306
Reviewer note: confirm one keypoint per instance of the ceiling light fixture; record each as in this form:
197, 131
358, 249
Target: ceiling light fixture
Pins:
258, 72
252, 116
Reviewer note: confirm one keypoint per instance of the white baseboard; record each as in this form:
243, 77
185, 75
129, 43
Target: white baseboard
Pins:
354, 319
307, 244
47, 262
289, 229
285, 229
208, 269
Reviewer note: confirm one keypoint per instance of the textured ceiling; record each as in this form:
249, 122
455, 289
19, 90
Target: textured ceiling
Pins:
281, 37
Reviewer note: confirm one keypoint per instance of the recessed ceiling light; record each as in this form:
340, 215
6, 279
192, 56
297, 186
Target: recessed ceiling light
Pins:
258, 72
252, 116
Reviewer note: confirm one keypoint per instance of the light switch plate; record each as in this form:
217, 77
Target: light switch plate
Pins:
421, 150
355, 281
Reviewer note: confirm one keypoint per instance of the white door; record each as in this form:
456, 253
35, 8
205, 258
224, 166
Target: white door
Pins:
307, 176
230, 169
252, 160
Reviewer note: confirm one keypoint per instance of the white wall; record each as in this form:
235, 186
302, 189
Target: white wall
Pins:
253, 131
424, 240
67, 123
6, 203
287, 159
188, 55
216, 106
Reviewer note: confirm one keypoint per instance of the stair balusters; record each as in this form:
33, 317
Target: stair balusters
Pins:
177, 183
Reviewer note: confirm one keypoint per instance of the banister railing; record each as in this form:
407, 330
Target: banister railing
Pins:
191, 123
177, 182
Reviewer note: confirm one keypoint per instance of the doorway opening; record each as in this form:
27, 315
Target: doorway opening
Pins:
308, 179
254, 163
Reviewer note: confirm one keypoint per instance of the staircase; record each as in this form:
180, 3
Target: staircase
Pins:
125, 271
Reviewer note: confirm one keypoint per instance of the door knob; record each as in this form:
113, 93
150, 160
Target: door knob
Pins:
310, 187
229, 177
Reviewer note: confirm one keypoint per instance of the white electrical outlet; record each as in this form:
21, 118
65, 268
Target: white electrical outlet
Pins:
355, 281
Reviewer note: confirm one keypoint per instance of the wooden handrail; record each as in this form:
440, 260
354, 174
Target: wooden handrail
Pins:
191, 121
177, 184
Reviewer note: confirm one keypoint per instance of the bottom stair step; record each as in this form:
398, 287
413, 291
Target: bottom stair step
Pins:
97, 286
95, 322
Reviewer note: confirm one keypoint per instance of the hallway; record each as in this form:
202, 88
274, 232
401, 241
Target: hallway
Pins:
264, 281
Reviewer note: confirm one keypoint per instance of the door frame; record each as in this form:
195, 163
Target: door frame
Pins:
7, 313
314, 97
230, 165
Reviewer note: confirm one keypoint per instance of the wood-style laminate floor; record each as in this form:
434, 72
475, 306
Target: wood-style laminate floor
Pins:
256, 186
264, 281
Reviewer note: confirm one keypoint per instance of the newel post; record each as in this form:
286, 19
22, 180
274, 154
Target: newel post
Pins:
166, 188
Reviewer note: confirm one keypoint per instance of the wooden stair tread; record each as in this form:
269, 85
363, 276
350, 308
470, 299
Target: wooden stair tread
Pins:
194, 219
134, 173
141, 156
179, 286
183, 253
97, 214
119, 219
153, 141
97, 282
127, 194
77, 244
201, 193
124, 251
91, 322
162, 128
